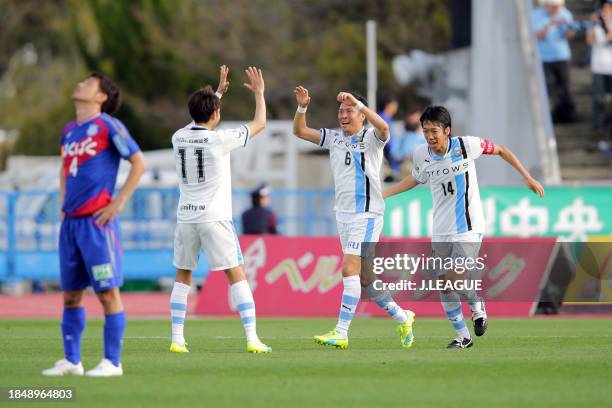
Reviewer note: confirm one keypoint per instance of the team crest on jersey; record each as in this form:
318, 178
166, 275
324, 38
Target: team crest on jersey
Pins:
92, 130
457, 152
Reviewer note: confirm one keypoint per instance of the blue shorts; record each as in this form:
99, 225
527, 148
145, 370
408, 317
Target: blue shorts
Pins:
90, 254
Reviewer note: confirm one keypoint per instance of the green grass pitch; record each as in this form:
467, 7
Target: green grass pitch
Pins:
543, 363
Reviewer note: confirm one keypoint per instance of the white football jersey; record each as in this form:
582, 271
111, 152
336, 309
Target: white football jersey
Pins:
453, 182
202, 158
355, 163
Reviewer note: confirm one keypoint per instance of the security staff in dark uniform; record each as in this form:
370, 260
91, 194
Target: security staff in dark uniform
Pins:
259, 219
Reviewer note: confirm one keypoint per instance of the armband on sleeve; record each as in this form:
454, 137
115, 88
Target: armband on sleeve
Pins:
487, 146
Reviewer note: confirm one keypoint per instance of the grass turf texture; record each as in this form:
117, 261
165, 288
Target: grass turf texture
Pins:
556, 362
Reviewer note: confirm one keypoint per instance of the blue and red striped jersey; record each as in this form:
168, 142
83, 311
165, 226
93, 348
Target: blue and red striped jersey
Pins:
91, 152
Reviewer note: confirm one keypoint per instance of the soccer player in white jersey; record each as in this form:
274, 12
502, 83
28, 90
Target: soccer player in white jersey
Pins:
204, 214
356, 154
446, 163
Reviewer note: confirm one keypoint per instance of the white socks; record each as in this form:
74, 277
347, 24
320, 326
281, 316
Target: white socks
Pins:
243, 300
350, 299
178, 310
451, 303
476, 303
241, 296
384, 300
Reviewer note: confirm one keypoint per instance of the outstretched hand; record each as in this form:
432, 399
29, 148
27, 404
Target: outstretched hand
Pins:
535, 186
223, 82
301, 95
256, 81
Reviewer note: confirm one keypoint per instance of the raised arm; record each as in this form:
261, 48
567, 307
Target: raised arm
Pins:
406, 184
382, 129
299, 120
223, 82
257, 86
509, 157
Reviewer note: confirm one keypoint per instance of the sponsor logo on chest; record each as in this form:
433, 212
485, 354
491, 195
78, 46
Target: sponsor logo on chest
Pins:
357, 146
445, 169
91, 145
86, 146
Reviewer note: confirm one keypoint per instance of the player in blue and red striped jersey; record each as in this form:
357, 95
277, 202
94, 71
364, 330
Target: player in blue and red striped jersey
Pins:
90, 255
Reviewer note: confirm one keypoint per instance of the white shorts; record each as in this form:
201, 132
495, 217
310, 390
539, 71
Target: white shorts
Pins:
353, 233
218, 240
464, 237
466, 245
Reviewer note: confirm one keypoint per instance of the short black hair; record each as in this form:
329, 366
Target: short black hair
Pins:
360, 98
202, 103
382, 101
113, 95
438, 115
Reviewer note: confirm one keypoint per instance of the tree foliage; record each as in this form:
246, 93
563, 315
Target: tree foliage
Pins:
159, 51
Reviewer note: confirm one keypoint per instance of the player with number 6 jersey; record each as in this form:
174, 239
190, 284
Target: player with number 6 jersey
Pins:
355, 154
446, 164
204, 213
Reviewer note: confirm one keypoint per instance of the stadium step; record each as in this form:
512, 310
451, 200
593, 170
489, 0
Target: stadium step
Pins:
579, 173
576, 145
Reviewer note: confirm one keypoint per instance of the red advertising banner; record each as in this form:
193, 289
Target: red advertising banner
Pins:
302, 276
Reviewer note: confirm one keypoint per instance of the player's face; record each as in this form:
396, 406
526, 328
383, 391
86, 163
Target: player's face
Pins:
436, 135
552, 10
350, 120
392, 108
88, 90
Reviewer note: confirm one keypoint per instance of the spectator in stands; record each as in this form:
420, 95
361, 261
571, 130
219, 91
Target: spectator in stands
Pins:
387, 108
599, 37
405, 143
552, 26
259, 219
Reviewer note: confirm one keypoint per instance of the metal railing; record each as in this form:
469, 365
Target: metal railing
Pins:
29, 227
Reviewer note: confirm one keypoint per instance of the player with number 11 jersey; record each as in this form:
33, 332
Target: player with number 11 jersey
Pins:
204, 213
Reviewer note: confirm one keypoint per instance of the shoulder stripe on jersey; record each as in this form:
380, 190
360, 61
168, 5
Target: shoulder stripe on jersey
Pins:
322, 137
463, 151
367, 183
466, 197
